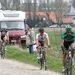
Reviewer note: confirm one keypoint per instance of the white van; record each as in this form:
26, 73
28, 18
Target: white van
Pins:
14, 23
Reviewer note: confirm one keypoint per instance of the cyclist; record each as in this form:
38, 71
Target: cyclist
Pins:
67, 41
41, 39
3, 36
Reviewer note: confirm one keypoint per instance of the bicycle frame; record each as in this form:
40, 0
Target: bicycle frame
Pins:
42, 58
68, 70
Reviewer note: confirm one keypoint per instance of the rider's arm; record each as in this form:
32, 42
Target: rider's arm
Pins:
62, 44
62, 41
0, 35
7, 36
47, 39
37, 43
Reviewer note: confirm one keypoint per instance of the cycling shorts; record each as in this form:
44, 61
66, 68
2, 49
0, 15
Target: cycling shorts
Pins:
67, 44
42, 43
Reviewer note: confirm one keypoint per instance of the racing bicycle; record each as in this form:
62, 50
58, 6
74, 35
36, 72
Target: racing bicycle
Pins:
68, 67
42, 59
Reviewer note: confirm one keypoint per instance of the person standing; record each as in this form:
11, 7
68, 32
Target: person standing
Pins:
30, 38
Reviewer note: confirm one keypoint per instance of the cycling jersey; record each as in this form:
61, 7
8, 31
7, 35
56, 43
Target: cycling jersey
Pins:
43, 37
3, 33
68, 40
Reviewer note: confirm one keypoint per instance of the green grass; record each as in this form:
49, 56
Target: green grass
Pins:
13, 53
53, 63
54, 55
24, 56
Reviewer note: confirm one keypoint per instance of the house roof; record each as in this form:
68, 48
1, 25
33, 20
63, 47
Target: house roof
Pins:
53, 17
70, 12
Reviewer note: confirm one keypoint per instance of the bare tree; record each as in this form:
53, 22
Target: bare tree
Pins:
4, 3
73, 3
35, 7
59, 7
29, 7
10, 4
16, 4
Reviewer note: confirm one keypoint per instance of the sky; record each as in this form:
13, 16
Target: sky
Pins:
36, 0
66, 0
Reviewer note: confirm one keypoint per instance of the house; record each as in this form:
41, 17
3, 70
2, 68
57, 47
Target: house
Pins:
52, 16
71, 13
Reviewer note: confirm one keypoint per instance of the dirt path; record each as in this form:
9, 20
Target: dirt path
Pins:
11, 67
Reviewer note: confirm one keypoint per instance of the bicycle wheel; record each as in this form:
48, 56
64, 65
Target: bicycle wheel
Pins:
40, 63
45, 67
44, 61
3, 52
64, 73
69, 66
69, 72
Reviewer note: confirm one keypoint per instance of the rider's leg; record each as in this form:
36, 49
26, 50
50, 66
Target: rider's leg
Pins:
38, 51
72, 54
66, 46
45, 53
64, 58
0, 45
73, 48
45, 57
5, 39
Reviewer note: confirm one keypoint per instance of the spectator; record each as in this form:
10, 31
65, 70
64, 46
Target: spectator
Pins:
30, 39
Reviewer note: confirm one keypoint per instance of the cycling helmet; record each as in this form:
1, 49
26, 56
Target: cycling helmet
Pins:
41, 29
68, 28
3, 28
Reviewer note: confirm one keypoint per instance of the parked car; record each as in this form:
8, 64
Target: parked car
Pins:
63, 26
73, 25
54, 26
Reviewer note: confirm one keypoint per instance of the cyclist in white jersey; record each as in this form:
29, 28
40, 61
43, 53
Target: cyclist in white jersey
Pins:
41, 39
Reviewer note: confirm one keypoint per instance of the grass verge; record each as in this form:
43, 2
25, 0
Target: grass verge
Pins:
54, 56
24, 56
54, 64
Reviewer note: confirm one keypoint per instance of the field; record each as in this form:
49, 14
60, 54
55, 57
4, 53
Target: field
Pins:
54, 55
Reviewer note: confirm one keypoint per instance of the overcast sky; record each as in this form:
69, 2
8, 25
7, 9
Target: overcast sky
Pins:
68, 0
37, 0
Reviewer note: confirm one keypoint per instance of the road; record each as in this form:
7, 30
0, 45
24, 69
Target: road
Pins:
12, 67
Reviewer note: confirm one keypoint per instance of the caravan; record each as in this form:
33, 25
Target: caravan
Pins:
14, 23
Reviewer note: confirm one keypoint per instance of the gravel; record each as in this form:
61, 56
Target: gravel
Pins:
12, 67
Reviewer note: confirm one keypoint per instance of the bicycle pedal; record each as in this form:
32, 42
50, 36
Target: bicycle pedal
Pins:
45, 67
38, 61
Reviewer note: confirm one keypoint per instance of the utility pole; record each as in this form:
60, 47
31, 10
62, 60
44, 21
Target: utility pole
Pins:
35, 8
29, 7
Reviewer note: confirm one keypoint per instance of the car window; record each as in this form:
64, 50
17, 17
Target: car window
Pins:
3, 25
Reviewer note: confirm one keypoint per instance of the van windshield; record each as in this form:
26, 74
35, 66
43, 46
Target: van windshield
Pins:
12, 25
